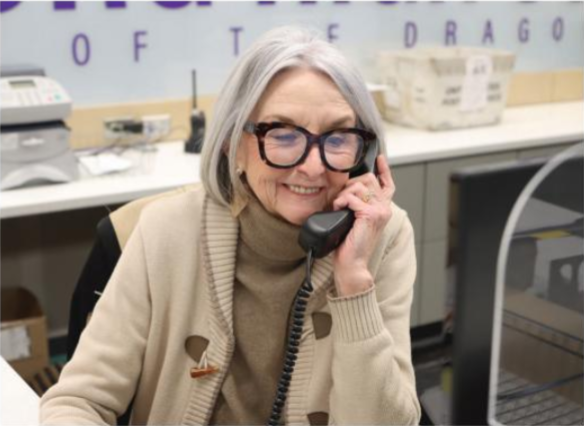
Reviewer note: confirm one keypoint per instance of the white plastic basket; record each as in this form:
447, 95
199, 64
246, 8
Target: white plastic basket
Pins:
444, 87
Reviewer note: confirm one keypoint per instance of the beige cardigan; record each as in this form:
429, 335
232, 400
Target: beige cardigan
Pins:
170, 300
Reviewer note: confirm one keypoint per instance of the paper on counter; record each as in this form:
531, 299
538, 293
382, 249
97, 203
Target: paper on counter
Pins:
105, 163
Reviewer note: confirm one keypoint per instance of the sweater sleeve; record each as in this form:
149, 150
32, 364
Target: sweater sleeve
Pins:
97, 385
373, 376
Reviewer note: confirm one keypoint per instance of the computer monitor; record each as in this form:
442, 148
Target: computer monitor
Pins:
537, 364
482, 199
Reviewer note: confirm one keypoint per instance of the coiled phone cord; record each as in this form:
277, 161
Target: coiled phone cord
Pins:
294, 333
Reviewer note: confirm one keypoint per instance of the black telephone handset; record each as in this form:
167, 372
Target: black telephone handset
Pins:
325, 231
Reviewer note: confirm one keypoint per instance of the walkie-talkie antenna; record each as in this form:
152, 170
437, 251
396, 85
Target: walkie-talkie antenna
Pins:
194, 89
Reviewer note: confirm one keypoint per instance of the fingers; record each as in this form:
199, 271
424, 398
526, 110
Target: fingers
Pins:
351, 201
383, 172
368, 188
385, 178
381, 184
382, 179
358, 189
375, 213
368, 179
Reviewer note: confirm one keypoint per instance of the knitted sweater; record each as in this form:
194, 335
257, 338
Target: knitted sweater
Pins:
269, 271
169, 306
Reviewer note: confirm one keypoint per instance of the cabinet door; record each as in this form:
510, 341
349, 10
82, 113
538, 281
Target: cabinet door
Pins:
437, 188
433, 282
409, 195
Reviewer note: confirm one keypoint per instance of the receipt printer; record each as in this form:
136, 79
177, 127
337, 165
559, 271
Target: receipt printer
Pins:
34, 140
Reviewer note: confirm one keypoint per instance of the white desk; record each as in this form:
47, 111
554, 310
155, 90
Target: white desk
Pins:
19, 405
170, 167
520, 128
162, 170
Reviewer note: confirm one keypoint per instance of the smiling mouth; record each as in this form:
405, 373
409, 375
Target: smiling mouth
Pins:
304, 190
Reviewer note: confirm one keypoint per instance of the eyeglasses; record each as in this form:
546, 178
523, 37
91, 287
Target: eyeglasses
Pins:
284, 146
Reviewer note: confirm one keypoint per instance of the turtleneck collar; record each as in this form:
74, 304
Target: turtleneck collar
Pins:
270, 237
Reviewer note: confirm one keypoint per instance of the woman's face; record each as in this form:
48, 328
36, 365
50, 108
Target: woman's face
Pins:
309, 99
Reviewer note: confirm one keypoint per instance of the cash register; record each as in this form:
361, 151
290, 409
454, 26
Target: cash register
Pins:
34, 140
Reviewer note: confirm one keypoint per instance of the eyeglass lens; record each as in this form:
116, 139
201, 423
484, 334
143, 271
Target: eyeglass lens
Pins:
284, 147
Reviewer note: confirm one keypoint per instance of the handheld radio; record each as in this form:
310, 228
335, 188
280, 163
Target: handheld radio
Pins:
195, 142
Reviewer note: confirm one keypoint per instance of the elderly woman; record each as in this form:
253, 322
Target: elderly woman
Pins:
193, 325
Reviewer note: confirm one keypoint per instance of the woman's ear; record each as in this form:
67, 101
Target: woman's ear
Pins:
225, 150
241, 158
240, 193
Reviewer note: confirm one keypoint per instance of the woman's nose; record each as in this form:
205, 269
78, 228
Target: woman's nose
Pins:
313, 165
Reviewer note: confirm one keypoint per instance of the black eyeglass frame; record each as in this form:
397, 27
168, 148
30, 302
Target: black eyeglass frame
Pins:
261, 129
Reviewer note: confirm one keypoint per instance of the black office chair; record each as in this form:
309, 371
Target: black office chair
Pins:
113, 231
94, 277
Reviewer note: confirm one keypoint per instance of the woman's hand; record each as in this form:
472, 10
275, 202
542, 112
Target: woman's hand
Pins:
370, 198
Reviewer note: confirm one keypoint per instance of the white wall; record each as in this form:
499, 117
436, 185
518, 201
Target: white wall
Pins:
203, 37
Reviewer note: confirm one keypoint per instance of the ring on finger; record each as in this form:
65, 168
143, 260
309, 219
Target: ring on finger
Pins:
367, 196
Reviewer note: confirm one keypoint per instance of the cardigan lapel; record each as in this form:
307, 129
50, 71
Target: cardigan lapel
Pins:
219, 242
221, 232
322, 276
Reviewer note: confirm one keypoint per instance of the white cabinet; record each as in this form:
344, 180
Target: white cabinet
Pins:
409, 195
409, 182
433, 281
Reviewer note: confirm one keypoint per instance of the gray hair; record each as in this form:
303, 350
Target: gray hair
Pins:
279, 49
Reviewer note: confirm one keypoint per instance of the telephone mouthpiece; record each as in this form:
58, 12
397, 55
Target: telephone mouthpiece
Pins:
325, 231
